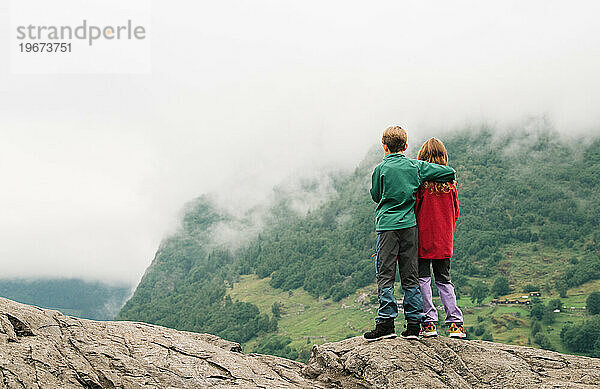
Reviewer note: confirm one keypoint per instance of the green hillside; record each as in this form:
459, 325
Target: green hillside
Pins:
306, 321
184, 287
529, 221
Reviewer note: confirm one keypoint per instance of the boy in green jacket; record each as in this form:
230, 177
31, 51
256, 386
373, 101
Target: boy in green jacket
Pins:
394, 185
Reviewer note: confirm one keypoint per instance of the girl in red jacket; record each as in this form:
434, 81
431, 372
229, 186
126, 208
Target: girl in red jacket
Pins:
437, 211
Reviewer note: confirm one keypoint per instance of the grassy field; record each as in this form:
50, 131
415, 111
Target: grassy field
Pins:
534, 263
309, 321
306, 319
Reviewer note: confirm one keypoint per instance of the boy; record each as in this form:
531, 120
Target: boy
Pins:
394, 185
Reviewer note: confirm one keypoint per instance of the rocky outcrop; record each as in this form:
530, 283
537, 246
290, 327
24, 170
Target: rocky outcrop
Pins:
44, 349
449, 363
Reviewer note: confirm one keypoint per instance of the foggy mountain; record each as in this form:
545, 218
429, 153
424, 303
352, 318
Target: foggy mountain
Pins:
529, 214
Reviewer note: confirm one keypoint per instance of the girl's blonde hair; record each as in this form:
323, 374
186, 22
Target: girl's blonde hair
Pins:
434, 151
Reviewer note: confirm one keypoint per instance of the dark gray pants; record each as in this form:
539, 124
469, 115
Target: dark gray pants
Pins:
398, 248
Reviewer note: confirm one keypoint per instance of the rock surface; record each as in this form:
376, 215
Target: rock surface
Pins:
44, 349
449, 363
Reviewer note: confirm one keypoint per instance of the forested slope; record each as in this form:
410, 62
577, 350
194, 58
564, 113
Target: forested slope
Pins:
515, 188
184, 288
529, 216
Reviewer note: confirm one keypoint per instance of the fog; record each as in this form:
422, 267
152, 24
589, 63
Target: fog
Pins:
242, 95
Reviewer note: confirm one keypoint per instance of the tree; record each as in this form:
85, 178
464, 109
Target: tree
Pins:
479, 330
561, 288
542, 340
479, 292
537, 311
487, 336
583, 337
277, 345
554, 304
531, 288
535, 328
548, 317
593, 303
276, 310
500, 286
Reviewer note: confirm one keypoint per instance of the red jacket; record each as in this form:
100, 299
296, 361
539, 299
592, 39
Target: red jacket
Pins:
436, 216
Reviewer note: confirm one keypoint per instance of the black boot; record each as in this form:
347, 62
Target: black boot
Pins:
384, 329
412, 330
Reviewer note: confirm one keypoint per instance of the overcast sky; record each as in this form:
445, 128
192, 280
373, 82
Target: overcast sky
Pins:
95, 168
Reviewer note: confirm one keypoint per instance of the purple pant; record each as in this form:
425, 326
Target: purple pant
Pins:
441, 272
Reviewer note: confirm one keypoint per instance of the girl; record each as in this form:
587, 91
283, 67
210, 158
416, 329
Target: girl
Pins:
437, 211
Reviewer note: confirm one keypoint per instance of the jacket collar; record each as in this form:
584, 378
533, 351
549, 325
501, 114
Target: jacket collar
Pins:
394, 155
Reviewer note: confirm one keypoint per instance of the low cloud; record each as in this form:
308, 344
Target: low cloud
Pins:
95, 168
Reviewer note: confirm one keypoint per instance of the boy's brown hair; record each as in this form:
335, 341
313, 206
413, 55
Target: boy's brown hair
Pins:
434, 151
394, 137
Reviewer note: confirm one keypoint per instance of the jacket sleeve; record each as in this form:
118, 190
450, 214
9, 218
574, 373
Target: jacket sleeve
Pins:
418, 200
456, 207
376, 185
434, 172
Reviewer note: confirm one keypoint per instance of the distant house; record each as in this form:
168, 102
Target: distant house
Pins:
506, 301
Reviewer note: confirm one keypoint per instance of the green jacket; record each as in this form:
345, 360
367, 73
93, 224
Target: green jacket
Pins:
394, 185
